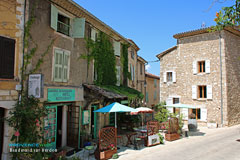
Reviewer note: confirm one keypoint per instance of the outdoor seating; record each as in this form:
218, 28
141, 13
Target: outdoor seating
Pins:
129, 137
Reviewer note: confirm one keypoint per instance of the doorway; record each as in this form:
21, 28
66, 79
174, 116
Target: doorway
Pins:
1, 130
59, 127
94, 121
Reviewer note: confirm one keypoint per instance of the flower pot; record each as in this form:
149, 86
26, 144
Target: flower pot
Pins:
172, 136
192, 125
107, 154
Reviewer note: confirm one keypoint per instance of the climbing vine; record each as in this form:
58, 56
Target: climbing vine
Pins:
27, 116
102, 52
124, 61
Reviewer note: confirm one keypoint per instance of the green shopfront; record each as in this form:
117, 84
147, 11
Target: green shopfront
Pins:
61, 125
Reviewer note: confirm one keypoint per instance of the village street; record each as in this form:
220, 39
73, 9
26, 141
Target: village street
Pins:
216, 144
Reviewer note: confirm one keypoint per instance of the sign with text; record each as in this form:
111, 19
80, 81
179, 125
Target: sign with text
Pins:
153, 139
61, 95
35, 85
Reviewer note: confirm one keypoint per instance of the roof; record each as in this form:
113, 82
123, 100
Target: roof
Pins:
103, 92
134, 44
141, 59
91, 15
166, 51
151, 75
233, 30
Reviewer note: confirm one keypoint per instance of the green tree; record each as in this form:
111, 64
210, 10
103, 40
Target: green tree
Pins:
162, 112
228, 16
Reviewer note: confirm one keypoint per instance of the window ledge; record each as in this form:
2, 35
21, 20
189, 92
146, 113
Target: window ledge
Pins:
63, 35
202, 99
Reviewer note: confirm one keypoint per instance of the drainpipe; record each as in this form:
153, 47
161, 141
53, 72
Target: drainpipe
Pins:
220, 54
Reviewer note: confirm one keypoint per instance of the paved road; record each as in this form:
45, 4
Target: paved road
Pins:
216, 144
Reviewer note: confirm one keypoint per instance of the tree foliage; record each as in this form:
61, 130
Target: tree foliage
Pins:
228, 16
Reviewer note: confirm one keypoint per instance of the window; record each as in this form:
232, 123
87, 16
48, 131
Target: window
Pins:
74, 27
202, 91
63, 24
175, 100
141, 70
155, 83
7, 56
155, 95
169, 77
197, 112
116, 47
118, 75
146, 97
201, 67
132, 54
61, 65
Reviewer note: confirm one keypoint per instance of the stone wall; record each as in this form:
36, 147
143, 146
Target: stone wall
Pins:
232, 47
190, 49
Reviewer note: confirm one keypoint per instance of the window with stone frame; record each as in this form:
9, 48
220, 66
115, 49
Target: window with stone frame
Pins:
201, 67
202, 91
132, 53
197, 112
169, 76
141, 70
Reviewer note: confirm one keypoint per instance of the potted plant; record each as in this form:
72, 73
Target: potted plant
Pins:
192, 122
212, 124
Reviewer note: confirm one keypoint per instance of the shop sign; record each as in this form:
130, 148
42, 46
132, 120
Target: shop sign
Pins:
61, 95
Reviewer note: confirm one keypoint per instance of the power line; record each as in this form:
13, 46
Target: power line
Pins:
152, 61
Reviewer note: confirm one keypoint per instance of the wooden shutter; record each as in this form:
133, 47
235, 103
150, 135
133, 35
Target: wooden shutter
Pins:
118, 75
174, 76
185, 113
155, 82
66, 65
207, 66
203, 114
165, 77
93, 34
209, 92
146, 96
78, 27
155, 95
133, 73
7, 58
194, 92
116, 46
58, 65
194, 67
54, 17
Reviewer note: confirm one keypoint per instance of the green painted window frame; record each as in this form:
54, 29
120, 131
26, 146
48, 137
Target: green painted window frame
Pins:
155, 83
61, 66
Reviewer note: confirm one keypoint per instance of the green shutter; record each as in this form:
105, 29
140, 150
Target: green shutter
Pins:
116, 46
78, 27
155, 95
58, 60
54, 17
146, 96
118, 75
155, 83
66, 57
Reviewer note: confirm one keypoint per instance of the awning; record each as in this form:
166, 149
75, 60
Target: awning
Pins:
179, 105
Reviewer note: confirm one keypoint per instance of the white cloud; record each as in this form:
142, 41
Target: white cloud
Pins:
147, 67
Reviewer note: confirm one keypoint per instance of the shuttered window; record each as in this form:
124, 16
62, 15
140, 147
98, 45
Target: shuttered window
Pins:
7, 54
61, 65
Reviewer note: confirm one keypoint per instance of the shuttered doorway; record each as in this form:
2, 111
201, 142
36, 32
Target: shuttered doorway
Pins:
73, 126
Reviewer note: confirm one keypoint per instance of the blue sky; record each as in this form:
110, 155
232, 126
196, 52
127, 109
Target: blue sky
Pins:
151, 24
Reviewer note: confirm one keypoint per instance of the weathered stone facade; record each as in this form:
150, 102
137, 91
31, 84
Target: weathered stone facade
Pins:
194, 47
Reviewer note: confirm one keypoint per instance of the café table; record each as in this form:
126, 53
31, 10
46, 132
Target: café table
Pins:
129, 136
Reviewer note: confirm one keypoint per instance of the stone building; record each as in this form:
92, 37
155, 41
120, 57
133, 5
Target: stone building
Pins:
11, 49
152, 90
202, 70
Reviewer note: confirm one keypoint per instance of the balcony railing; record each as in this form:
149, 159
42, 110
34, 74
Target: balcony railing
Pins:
63, 28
